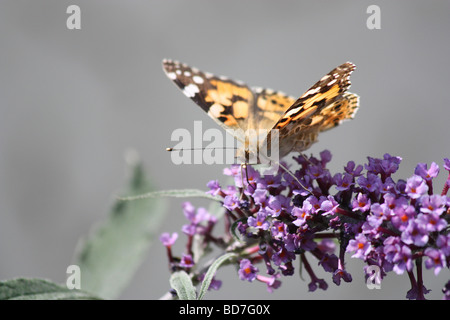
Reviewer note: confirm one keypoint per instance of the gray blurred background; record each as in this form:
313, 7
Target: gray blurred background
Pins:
73, 101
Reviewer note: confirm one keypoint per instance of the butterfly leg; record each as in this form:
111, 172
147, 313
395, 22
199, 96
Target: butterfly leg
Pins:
244, 167
295, 178
242, 181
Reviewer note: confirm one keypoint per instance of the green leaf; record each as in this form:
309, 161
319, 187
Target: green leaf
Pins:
212, 271
216, 209
199, 248
39, 289
300, 268
109, 257
234, 227
183, 193
182, 284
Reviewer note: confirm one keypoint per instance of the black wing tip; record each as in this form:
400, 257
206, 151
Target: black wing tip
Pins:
169, 62
348, 65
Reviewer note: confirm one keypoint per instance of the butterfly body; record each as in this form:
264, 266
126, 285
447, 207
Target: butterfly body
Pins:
240, 109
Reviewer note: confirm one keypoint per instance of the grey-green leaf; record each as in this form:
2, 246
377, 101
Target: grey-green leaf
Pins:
216, 209
182, 284
109, 257
183, 193
39, 289
212, 271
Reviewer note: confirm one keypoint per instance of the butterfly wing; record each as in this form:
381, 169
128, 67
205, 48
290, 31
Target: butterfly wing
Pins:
269, 107
342, 109
233, 105
325, 105
226, 101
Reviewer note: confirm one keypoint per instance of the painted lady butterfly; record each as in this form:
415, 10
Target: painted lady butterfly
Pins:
234, 105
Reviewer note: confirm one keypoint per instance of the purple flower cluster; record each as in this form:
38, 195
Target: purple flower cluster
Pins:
396, 225
201, 223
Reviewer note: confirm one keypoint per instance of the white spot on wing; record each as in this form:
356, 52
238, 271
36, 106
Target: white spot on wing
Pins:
331, 82
312, 91
258, 89
291, 113
198, 79
190, 90
171, 75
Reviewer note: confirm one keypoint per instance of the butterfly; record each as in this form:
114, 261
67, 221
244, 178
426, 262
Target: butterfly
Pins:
239, 108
